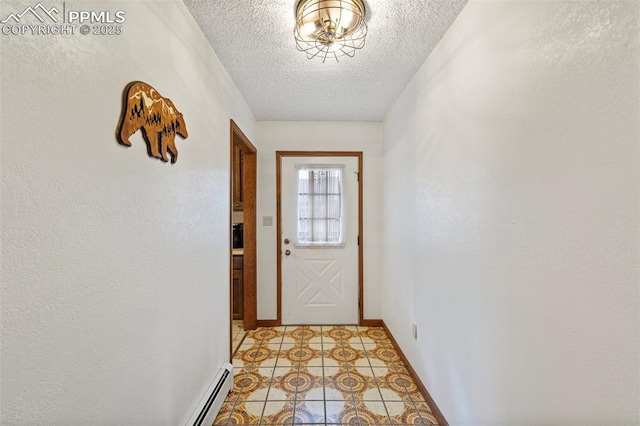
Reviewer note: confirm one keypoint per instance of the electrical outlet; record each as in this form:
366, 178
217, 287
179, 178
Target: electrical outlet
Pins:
414, 330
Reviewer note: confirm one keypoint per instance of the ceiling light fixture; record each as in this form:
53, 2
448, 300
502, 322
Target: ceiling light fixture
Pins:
330, 28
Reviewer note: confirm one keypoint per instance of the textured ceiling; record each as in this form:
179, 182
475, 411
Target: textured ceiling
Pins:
254, 40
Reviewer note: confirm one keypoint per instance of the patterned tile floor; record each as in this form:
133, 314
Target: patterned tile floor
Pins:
237, 333
321, 375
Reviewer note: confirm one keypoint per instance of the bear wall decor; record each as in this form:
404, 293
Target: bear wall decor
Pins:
144, 108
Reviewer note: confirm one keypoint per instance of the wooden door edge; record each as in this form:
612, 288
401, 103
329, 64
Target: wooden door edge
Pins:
250, 308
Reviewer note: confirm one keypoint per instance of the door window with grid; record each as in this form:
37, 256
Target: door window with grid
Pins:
320, 200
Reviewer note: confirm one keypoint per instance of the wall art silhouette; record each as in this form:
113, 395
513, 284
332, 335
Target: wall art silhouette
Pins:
144, 108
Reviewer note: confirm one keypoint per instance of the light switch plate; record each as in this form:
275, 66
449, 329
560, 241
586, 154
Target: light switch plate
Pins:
267, 220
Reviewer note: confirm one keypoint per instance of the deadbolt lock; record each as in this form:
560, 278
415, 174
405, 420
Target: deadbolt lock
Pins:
286, 241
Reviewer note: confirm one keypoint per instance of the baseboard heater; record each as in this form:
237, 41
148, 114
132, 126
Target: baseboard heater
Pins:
210, 404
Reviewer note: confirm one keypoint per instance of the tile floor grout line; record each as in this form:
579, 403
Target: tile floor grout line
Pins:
384, 403
324, 392
355, 403
376, 379
268, 389
235, 401
295, 397
266, 397
247, 373
352, 395
275, 365
300, 360
354, 366
374, 372
295, 392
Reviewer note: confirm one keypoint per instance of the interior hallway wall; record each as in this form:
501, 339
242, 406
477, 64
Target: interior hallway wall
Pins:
511, 207
275, 136
115, 266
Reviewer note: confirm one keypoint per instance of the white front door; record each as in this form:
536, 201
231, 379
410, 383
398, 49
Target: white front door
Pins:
319, 208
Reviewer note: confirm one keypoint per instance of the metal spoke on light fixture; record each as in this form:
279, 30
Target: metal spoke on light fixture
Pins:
330, 28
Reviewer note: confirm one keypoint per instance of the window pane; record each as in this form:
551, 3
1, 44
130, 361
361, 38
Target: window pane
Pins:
320, 206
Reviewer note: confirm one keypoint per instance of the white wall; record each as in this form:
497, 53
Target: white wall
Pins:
319, 136
115, 266
511, 197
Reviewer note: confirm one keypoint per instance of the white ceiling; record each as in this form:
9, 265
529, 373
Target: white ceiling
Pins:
254, 40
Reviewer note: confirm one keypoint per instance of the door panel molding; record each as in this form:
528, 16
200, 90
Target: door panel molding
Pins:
279, 156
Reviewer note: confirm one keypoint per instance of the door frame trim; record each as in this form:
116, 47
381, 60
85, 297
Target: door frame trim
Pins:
249, 194
279, 155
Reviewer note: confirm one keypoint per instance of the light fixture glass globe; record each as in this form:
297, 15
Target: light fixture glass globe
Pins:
330, 28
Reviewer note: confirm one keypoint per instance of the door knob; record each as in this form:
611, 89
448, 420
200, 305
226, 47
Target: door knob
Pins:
287, 252
286, 241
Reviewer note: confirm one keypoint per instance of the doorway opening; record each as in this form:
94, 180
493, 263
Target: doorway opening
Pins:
242, 224
314, 279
